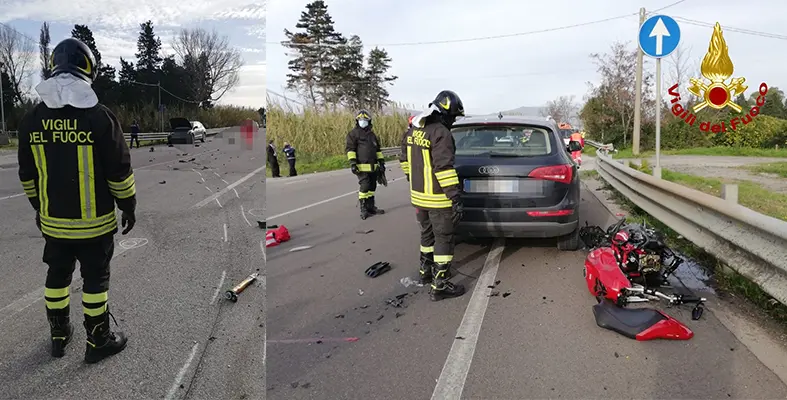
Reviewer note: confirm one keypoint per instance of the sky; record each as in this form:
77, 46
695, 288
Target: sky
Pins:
115, 26
529, 70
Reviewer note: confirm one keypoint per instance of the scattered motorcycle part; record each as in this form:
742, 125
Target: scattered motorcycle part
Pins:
233, 293
378, 269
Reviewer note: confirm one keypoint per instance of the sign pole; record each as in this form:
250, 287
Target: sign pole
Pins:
657, 169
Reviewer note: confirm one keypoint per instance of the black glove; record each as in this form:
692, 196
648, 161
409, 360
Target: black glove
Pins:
354, 168
459, 209
38, 220
128, 219
382, 165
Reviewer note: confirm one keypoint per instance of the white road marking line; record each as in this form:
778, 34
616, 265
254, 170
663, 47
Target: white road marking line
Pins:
182, 374
243, 212
228, 188
225, 230
31, 298
321, 202
218, 288
236, 193
262, 248
452, 379
200, 173
11, 196
219, 203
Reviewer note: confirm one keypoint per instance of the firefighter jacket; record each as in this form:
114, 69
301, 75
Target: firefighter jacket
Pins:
430, 153
74, 166
403, 154
363, 149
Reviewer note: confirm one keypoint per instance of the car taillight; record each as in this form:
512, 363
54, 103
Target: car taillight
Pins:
556, 213
558, 173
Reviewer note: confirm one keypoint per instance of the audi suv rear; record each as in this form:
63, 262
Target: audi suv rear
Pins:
518, 179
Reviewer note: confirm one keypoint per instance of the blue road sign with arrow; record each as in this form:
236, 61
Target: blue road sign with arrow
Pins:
659, 36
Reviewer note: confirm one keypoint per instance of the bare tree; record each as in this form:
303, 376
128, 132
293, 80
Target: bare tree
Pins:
618, 87
562, 109
43, 47
17, 53
681, 68
215, 62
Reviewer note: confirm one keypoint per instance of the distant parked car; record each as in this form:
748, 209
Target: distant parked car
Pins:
185, 131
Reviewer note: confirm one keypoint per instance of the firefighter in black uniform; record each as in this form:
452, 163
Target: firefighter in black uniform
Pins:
429, 150
75, 166
366, 160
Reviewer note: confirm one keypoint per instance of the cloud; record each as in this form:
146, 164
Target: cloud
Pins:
252, 92
525, 70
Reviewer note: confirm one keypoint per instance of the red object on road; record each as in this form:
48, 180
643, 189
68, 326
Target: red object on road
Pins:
276, 236
248, 131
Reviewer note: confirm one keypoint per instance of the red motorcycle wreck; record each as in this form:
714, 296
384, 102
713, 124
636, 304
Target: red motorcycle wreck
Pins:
628, 264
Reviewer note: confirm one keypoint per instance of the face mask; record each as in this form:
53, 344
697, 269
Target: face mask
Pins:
363, 123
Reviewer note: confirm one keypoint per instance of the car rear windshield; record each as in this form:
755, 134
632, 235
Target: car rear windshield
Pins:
566, 133
502, 140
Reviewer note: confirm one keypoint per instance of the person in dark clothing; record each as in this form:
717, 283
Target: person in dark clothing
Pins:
272, 160
74, 167
134, 134
429, 151
366, 161
289, 152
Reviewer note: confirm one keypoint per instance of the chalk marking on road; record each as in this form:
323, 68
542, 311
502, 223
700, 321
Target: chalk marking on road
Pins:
218, 287
217, 174
182, 374
298, 181
225, 232
236, 193
200, 173
211, 190
320, 202
228, 188
225, 181
11, 196
203, 179
219, 203
31, 298
243, 212
262, 249
452, 379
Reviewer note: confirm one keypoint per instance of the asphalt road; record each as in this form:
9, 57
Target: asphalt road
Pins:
195, 237
331, 334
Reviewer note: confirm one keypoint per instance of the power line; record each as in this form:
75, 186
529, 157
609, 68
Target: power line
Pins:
483, 38
731, 28
162, 88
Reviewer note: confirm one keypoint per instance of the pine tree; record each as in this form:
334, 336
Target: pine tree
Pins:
347, 75
376, 77
45, 53
149, 60
314, 53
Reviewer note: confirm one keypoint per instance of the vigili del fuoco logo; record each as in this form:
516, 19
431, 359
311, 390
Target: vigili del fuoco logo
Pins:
717, 68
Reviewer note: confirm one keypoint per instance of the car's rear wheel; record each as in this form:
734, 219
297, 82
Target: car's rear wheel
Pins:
569, 242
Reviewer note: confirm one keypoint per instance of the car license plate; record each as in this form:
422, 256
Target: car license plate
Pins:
497, 186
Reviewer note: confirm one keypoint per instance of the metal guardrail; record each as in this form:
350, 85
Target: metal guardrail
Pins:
601, 146
752, 244
391, 151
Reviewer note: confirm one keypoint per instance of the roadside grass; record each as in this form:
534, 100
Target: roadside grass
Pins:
779, 168
706, 151
12, 143
726, 279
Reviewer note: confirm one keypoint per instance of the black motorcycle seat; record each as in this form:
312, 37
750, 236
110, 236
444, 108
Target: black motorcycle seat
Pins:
628, 322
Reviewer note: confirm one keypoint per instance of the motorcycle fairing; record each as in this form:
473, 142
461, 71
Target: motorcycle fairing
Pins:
639, 323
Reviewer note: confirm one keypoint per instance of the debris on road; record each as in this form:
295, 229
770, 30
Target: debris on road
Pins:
366, 232
407, 282
233, 293
378, 269
162, 182
276, 236
397, 302
360, 292
262, 224
339, 316
398, 314
506, 294
460, 338
300, 248
494, 293
151, 149
380, 317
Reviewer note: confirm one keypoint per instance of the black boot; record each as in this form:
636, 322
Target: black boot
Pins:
442, 288
101, 341
364, 208
373, 210
425, 270
61, 330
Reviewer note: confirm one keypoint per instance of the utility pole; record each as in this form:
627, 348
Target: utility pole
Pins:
160, 109
2, 100
638, 93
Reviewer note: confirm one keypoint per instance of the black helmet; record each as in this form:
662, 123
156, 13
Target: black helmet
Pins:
363, 114
74, 57
449, 104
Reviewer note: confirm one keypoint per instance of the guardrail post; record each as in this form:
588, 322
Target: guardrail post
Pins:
627, 163
657, 172
729, 192
637, 162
